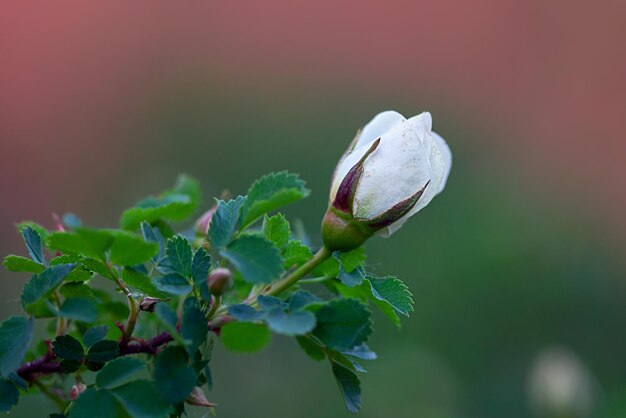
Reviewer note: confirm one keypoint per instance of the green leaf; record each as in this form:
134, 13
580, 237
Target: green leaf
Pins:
343, 324
103, 351
32, 238
167, 318
200, 267
98, 267
174, 377
296, 254
394, 292
90, 243
140, 399
15, 335
43, 284
79, 309
174, 284
94, 403
245, 313
257, 259
179, 255
351, 260
244, 337
9, 395
67, 347
95, 334
277, 230
71, 366
349, 385
120, 371
225, 221
271, 192
293, 323
151, 234
269, 302
301, 299
174, 205
19, 263
312, 350
194, 327
141, 283
77, 290
130, 249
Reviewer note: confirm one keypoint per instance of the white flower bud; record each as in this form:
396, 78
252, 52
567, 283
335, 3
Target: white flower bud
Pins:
392, 169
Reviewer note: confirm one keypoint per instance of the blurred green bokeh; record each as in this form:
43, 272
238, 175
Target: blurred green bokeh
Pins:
498, 269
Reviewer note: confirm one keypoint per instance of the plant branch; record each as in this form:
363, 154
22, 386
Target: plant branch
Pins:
300, 272
49, 364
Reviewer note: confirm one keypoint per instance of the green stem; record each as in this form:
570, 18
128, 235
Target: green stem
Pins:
300, 272
217, 301
60, 403
315, 280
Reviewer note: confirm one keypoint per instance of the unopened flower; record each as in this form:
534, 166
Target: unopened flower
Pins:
219, 281
76, 390
148, 303
392, 169
197, 398
204, 221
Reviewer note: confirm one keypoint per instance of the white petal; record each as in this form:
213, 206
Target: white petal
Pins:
398, 168
380, 124
423, 124
446, 154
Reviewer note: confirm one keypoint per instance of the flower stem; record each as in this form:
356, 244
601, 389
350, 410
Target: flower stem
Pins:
217, 301
300, 272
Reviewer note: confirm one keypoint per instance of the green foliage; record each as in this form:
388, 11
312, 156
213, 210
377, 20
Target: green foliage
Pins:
225, 221
32, 238
179, 255
119, 372
272, 192
145, 346
9, 395
19, 263
257, 259
173, 375
277, 230
172, 205
67, 347
343, 324
43, 284
15, 335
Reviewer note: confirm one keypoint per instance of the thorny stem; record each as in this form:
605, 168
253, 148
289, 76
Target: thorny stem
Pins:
60, 321
299, 273
132, 305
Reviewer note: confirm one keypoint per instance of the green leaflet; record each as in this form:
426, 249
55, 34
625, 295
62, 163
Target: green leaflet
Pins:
272, 192
257, 259
173, 205
15, 335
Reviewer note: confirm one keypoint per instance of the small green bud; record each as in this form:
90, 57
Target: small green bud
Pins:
220, 281
341, 232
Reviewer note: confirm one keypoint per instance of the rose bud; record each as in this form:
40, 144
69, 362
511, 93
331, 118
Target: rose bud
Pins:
203, 222
76, 390
197, 398
147, 304
219, 281
391, 170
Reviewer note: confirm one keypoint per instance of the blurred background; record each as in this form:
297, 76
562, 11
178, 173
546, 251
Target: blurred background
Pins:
517, 270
